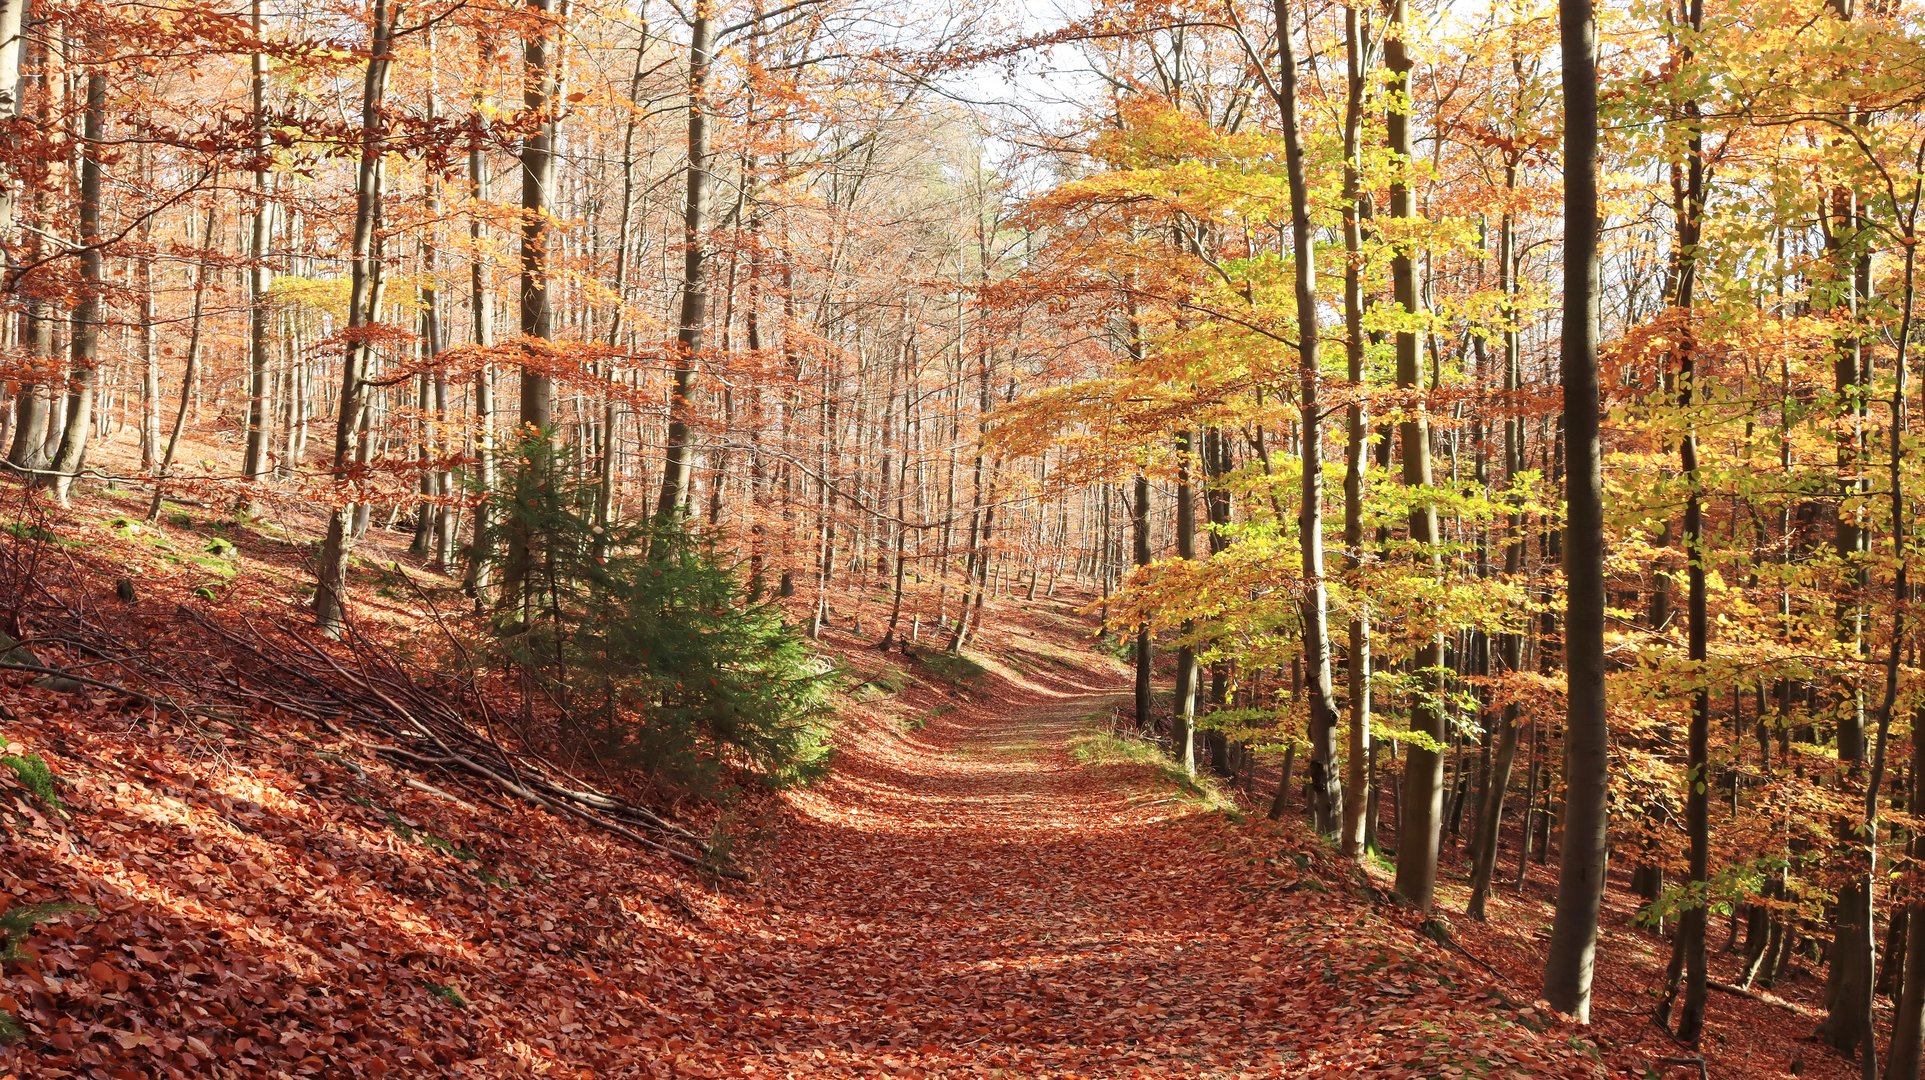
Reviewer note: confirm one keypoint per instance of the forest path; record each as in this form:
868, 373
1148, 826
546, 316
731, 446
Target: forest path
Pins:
1006, 891
970, 897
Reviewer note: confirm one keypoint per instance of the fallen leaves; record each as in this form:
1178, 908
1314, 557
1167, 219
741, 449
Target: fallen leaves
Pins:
962, 899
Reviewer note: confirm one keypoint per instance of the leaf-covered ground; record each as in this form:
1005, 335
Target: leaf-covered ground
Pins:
972, 899
986, 884
964, 896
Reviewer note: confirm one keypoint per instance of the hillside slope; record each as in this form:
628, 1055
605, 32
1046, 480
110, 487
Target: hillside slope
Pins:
986, 883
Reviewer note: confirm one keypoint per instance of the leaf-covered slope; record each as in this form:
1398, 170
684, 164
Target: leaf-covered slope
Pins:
965, 895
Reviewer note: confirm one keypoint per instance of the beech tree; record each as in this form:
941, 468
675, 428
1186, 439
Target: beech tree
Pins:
1580, 892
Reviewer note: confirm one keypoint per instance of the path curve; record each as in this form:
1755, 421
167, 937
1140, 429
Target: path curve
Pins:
970, 899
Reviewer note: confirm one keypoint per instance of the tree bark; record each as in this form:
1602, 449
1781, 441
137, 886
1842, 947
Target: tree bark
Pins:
1907, 1050
1326, 790
1490, 812
188, 376
481, 302
1359, 55
1693, 922
12, 18
1140, 555
1580, 892
260, 277
364, 302
540, 105
91, 310
1183, 715
1421, 806
678, 457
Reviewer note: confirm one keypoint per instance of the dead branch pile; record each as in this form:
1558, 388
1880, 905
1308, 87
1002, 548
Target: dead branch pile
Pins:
197, 668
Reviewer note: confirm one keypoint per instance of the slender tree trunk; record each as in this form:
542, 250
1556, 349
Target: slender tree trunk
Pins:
1907, 1052
1849, 979
976, 561
189, 376
12, 18
1490, 813
1183, 718
32, 414
1140, 555
1580, 892
91, 310
260, 276
1901, 597
1326, 790
1359, 58
149, 338
481, 303
364, 304
1421, 805
678, 457
1693, 923
611, 415
538, 102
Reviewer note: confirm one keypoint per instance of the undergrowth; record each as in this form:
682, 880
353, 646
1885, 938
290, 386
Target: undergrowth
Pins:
647, 641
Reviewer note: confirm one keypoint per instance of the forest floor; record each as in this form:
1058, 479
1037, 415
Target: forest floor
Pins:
990, 882
1010, 891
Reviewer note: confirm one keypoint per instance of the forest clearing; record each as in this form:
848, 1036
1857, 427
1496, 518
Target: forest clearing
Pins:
970, 538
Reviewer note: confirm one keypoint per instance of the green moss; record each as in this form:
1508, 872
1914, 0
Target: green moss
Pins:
40, 780
488, 877
220, 568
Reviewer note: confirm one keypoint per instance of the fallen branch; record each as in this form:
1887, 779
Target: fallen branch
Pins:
426, 732
61, 673
1688, 1062
1739, 991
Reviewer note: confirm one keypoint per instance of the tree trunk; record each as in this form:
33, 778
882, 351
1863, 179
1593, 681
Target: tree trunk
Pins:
149, 337
1421, 804
1693, 922
91, 309
12, 18
1580, 891
1490, 813
192, 372
33, 411
1907, 1051
1183, 716
678, 457
481, 302
1359, 58
1326, 790
364, 303
260, 277
537, 299
1140, 555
